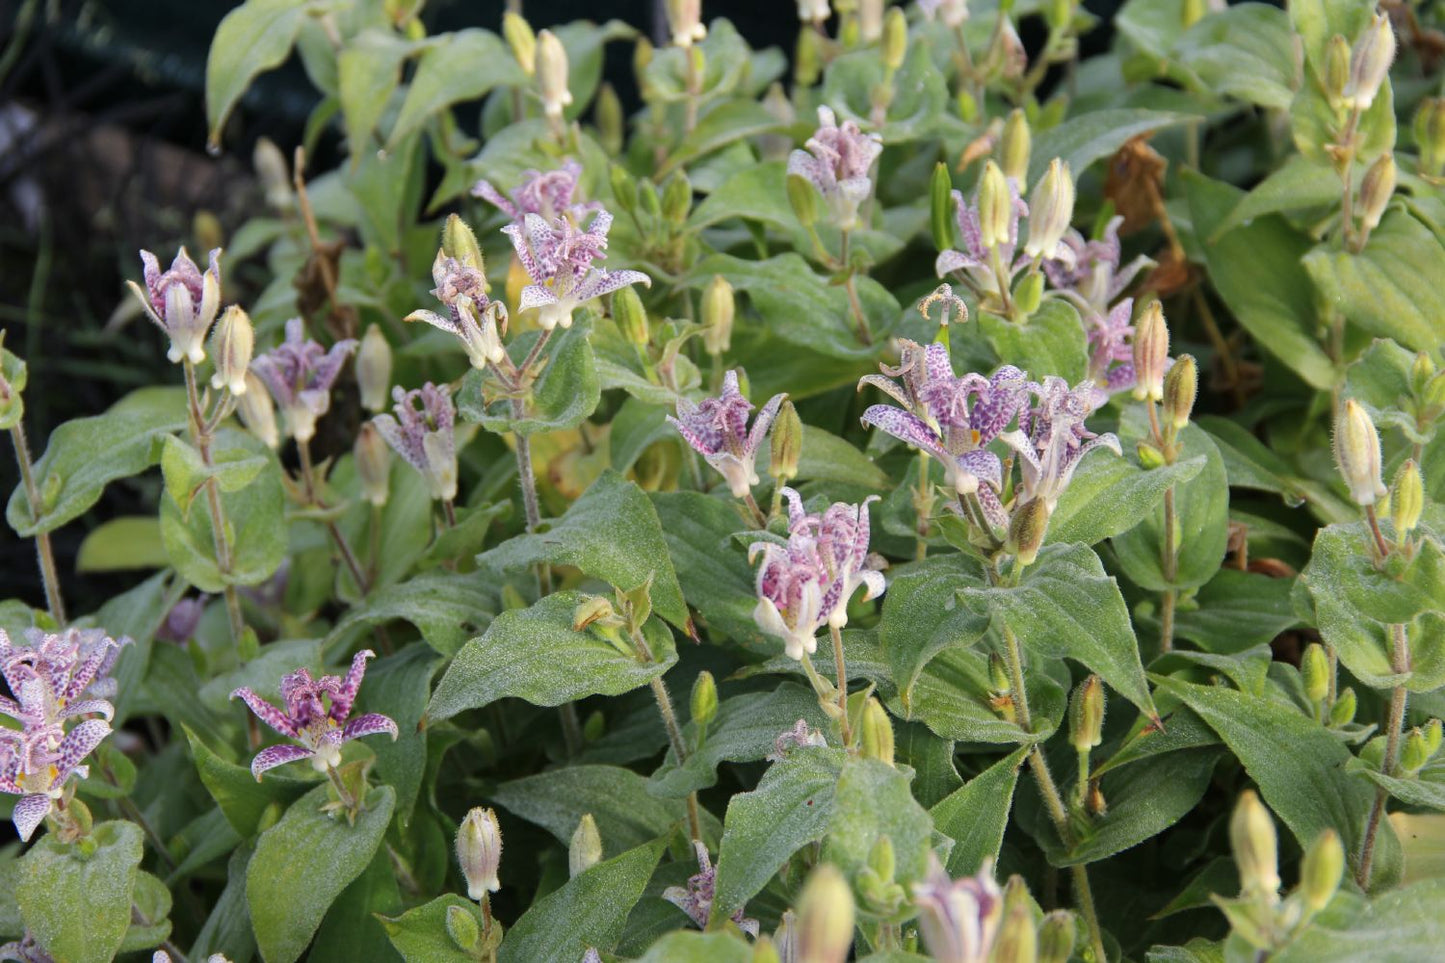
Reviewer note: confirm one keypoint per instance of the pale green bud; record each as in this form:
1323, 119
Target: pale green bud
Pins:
1433, 736
257, 412
552, 74
877, 736
704, 699
1086, 714
1337, 68
1017, 940
825, 917
373, 370
1181, 387
895, 38
1029, 293
462, 928
1193, 12
808, 58
1357, 453
1321, 870
870, 20
1415, 753
592, 609
1429, 128
1151, 352
787, 444
231, 346
1026, 530
521, 39
479, 851
995, 206
1315, 672
1057, 934
677, 199
1016, 146
1376, 190
1256, 853
586, 848
611, 123
274, 175
1051, 208
803, 198
1370, 60
624, 187
719, 306
1342, 713
1407, 498
459, 241
940, 207
631, 316
373, 464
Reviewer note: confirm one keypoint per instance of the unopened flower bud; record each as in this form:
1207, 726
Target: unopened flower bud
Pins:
275, 177
1357, 453
684, 20
586, 848
940, 207
1415, 753
1376, 190
373, 370
869, 19
552, 74
463, 929
1151, 353
676, 199
624, 187
995, 206
998, 677
1370, 60
611, 125
1434, 395
231, 345
1321, 870
1433, 736
593, 609
825, 917
787, 444
1422, 369
1029, 292
1051, 207
1015, 147
895, 38
877, 734
1342, 713
704, 699
719, 306
1314, 667
813, 11
642, 58
1252, 837
1017, 940
1026, 530
1086, 714
765, 951
803, 198
1337, 68
458, 241
521, 39
631, 316
479, 851
1429, 128
1407, 499
373, 464
1181, 387
257, 412
1057, 934
807, 58
967, 106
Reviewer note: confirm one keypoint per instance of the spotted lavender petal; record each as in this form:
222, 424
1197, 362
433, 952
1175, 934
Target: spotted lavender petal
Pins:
972, 257
471, 316
1111, 354
315, 715
837, 162
958, 919
717, 429
696, 898
1052, 438
37, 762
182, 301
545, 193
918, 367
1091, 270
70, 664
557, 255
842, 541
425, 436
299, 374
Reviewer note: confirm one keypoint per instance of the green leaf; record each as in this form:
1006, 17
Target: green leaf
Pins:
1108, 496
399, 686
1256, 270
872, 800
919, 92
728, 123
755, 193
1249, 463
1400, 925
151, 907
1425, 788
1316, 21
242, 797
1299, 768
1299, 184
1050, 342
1235, 611
228, 928
77, 905
122, 544
714, 572
253, 38
86, 454
421, 933
452, 68
1315, 125
952, 697
303, 863
534, 654
627, 815
1081, 140
827, 458
446, 607
1197, 950
931, 757
1066, 606
1245, 52
975, 816
686, 946
1382, 380
611, 533
1389, 289
922, 616
352, 929
789, 808
185, 471
16, 375
368, 71
565, 394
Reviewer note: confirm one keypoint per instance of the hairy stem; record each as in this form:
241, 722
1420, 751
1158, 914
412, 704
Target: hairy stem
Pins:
1399, 662
841, 668
45, 555
308, 478
756, 511
219, 536
674, 731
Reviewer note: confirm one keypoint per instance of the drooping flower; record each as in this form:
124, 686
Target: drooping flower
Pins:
1090, 272
958, 918
841, 534
182, 301
837, 162
477, 320
425, 436
557, 255
1052, 438
548, 194
696, 898
974, 258
717, 429
317, 716
299, 374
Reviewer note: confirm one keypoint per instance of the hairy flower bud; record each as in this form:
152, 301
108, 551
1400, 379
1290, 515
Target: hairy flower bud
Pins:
1026, 530
521, 39
1181, 387
1252, 837
231, 345
995, 206
895, 38
586, 848
718, 308
1151, 353
373, 464
1015, 147
825, 917
592, 609
257, 411
462, 928
1407, 499
479, 851
1017, 940
1051, 207
1337, 68
676, 199
1376, 190
1321, 870
1370, 60
631, 317
624, 187
373, 369
1357, 453
803, 198
1415, 753
877, 734
940, 207
1086, 714
787, 444
1056, 937
1342, 713
998, 677
1434, 734
684, 21
552, 74
1429, 129
1314, 667
1029, 292
704, 699
460, 242
611, 122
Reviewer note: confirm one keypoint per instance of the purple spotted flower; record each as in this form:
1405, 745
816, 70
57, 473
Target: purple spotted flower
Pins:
801, 734
423, 433
299, 374
974, 259
958, 918
837, 162
545, 193
1089, 272
557, 255
316, 715
182, 301
1052, 438
477, 320
717, 429
696, 898
1111, 354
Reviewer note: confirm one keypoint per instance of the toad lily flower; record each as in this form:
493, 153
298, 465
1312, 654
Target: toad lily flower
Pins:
696, 898
1052, 439
182, 301
299, 374
841, 535
1111, 355
557, 255
473, 317
316, 716
976, 258
717, 429
547, 194
425, 435
72, 663
958, 918
1089, 272
837, 162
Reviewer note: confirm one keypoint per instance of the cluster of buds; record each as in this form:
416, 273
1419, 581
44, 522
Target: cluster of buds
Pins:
299, 374
837, 162
58, 685
1258, 914
317, 715
423, 433
696, 898
717, 428
808, 582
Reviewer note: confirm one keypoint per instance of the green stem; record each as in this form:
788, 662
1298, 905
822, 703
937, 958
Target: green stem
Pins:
841, 668
45, 555
219, 537
674, 731
1399, 662
308, 478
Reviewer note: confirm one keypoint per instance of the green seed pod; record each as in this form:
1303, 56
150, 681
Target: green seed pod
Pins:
1321, 870
585, 850
1086, 714
631, 317
803, 198
719, 307
1181, 387
704, 699
1026, 530
967, 107
1149, 456
1315, 671
940, 207
1256, 848
787, 444
1342, 713
877, 734
1407, 499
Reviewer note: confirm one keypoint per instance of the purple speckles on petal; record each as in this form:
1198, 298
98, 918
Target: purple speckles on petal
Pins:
273, 756
28, 814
